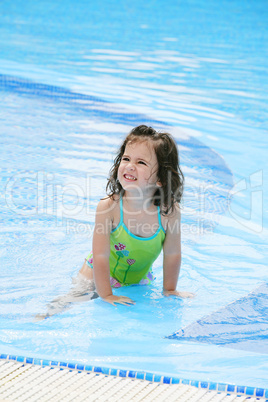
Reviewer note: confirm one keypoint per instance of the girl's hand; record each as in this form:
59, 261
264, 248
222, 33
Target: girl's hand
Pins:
178, 294
112, 299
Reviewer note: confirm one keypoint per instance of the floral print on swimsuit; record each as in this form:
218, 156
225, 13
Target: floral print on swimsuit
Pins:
114, 282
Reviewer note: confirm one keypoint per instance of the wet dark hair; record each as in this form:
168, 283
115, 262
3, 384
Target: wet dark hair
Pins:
169, 172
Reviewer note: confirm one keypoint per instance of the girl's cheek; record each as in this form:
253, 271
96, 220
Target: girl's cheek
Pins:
119, 173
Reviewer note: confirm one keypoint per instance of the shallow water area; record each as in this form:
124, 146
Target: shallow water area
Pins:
68, 97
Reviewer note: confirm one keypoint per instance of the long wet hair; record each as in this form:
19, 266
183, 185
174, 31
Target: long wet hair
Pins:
169, 172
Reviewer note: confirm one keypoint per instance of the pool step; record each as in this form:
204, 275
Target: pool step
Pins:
33, 383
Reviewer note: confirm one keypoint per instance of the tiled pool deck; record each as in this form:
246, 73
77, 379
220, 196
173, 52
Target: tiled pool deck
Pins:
27, 379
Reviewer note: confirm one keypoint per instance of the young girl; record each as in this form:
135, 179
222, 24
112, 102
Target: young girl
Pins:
140, 216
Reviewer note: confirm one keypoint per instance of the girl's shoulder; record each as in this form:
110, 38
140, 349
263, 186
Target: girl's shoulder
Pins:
172, 217
108, 208
108, 203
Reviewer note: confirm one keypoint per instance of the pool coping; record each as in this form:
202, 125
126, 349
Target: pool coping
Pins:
141, 375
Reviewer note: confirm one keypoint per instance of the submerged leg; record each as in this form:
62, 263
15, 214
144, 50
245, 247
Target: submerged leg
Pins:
83, 290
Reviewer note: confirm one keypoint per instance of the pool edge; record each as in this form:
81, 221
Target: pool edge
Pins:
141, 375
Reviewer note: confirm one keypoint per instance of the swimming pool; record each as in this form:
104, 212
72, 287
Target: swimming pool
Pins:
73, 82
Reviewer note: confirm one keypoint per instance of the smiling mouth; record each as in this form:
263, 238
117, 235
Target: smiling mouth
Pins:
129, 177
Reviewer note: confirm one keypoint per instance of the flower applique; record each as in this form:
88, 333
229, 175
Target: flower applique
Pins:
121, 252
130, 262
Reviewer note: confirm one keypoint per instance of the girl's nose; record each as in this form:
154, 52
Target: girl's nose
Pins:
130, 166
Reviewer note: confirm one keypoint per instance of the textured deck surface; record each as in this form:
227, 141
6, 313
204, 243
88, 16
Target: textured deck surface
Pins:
27, 382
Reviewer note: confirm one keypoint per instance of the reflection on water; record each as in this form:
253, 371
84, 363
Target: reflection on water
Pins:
240, 325
67, 192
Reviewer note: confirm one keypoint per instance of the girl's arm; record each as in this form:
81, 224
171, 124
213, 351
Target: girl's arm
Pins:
101, 253
172, 256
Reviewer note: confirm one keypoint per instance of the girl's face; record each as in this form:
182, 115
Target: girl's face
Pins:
138, 167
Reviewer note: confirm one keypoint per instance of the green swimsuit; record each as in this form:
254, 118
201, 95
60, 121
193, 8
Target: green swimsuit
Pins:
131, 256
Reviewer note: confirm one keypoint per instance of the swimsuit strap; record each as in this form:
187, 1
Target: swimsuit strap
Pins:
159, 215
121, 211
159, 219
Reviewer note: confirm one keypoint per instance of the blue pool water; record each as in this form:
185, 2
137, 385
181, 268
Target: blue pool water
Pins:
74, 79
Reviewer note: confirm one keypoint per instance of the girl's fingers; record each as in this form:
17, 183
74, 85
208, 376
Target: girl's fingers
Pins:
127, 299
179, 294
119, 299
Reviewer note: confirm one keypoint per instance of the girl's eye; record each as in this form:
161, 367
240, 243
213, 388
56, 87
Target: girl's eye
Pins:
142, 163
125, 159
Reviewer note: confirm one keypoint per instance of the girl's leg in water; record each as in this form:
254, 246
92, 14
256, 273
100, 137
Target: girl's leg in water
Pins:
83, 290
